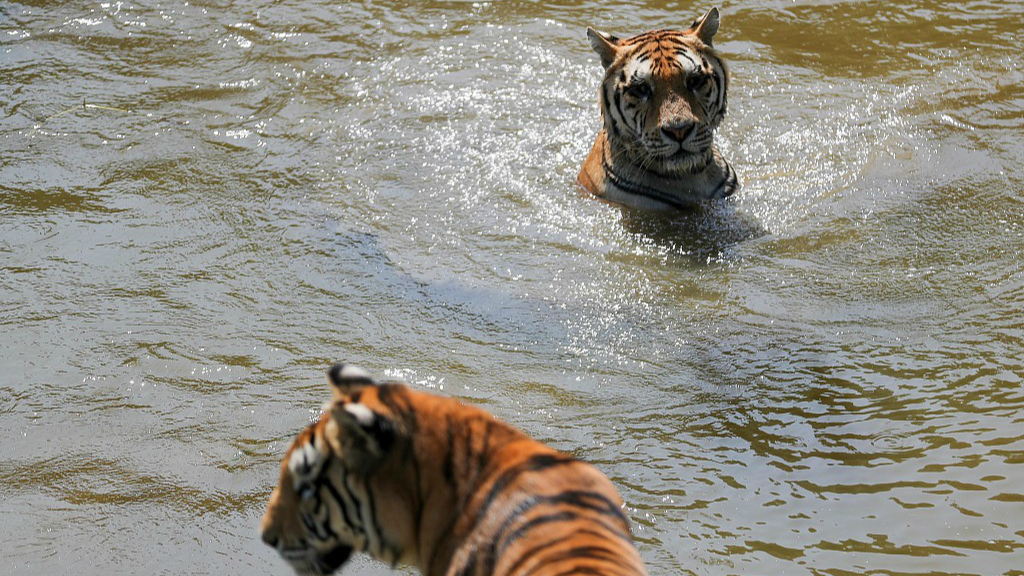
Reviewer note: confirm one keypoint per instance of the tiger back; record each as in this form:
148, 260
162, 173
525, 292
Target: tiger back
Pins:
663, 95
418, 479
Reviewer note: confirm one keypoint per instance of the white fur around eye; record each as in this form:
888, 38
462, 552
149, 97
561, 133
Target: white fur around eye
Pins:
363, 415
639, 70
305, 461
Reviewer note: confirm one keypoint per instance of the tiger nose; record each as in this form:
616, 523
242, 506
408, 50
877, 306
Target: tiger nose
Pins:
269, 535
678, 131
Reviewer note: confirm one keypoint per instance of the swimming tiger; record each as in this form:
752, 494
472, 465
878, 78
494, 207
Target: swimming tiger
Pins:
663, 95
414, 478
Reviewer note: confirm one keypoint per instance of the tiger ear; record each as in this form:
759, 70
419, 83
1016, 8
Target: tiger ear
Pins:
372, 432
605, 45
347, 378
706, 26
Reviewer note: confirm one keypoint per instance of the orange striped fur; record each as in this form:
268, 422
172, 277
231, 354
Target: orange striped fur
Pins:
414, 478
663, 95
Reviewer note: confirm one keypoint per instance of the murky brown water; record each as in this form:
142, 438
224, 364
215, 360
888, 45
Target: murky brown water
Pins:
203, 205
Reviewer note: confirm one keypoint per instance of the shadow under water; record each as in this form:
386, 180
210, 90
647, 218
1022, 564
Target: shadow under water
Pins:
706, 233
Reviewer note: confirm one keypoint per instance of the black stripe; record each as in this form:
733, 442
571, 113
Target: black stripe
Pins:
385, 543
585, 500
618, 106
332, 490
484, 455
598, 553
387, 394
615, 129
591, 501
686, 54
584, 570
728, 184
310, 526
420, 500
372, 516
504, 540
324, 481
674, 44
725, 89
653, 35
605, 103
595, 552
449, 476
720, 88
449, 450
525, 557
533, 464
641, 190
663, 66
320, 530
409, 455
501, 540
467, 568
355, 500
327, 528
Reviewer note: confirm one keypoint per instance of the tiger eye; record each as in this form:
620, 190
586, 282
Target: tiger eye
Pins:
639, 90
697, 80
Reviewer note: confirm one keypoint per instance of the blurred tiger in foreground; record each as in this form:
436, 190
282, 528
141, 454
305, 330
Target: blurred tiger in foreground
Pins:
663, 95
413, 478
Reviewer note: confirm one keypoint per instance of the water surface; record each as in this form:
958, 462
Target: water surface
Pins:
203, 205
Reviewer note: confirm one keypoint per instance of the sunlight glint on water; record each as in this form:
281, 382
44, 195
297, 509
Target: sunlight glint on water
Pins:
204, 206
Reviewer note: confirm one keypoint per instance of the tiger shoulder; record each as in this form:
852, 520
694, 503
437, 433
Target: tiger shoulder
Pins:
663, 95
418, 479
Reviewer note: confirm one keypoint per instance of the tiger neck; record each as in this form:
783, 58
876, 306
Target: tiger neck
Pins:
615, 175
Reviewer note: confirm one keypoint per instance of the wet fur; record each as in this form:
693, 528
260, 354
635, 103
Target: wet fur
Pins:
414, 478
663, 95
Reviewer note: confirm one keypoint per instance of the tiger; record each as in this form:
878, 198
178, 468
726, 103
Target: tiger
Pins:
663, 95
418, 479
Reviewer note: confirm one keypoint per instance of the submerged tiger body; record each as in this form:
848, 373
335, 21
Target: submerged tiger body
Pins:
663, 95
418, 479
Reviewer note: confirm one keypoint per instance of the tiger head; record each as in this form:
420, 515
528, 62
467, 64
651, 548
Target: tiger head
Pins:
323, 507
663, 95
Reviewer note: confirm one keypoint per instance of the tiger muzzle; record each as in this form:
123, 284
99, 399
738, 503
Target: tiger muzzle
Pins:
679, 131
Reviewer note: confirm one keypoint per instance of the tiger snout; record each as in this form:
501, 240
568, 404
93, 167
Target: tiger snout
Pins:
678, 131
302, 557
675, 137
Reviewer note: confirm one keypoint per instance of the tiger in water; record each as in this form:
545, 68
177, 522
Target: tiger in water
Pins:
414, 478
663, 95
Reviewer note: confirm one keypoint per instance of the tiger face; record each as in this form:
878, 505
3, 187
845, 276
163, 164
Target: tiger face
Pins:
322, 508
663, 95
298, 511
